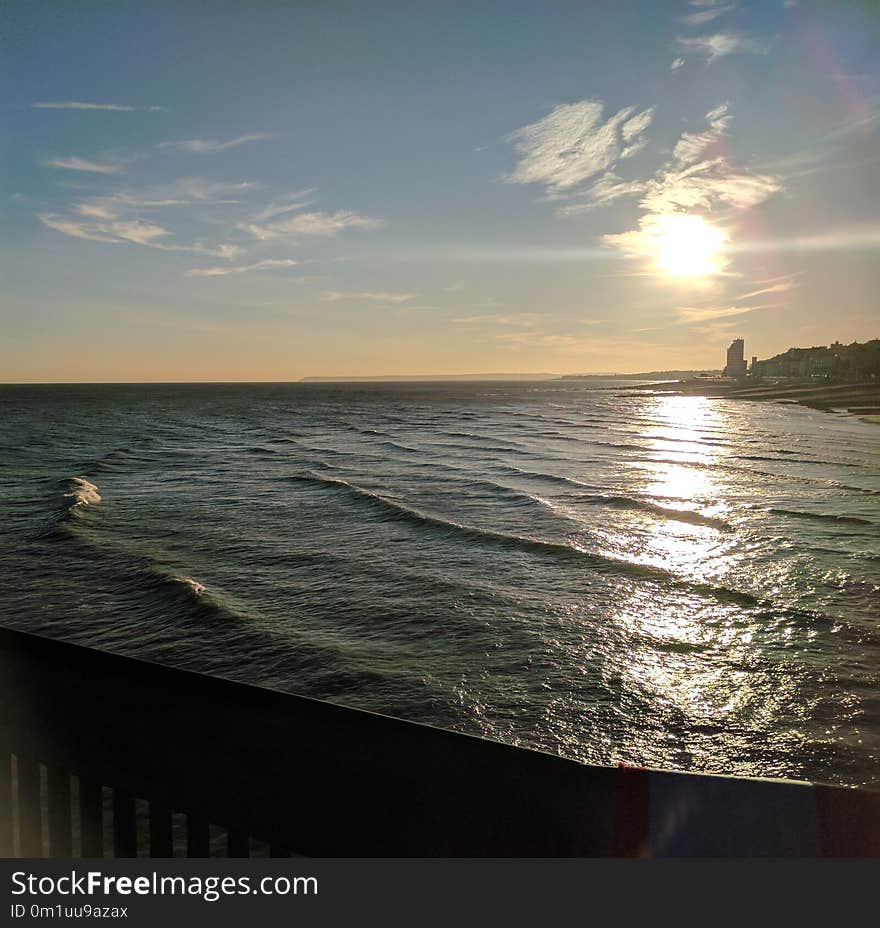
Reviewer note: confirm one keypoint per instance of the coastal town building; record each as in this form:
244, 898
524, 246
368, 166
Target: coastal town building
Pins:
855, 363
736, 363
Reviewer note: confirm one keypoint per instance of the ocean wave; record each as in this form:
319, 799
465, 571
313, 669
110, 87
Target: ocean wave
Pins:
77, 493
455, 446
179, 590
403, 512
690, 516
821, 516
396, 446
557, 479
752, 472
621, 501
793, 460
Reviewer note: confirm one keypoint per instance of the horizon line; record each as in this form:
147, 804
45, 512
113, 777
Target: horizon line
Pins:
349, 378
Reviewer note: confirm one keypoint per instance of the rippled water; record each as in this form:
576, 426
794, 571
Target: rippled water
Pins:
579, 567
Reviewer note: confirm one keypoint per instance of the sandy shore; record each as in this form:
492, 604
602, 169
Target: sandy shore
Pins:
861, 400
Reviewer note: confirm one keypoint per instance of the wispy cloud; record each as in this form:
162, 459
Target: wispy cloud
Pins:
371, 296
608, 188
80, 164
131, 231
782, 284
114, 231
211, 146
516, 320
574, 143
676, 64
691, 314
709, 183
712, 12
267, 265
311, 225
555, 341
692, 145
291, 203
79, 105
197, 189
719, 45
188, 191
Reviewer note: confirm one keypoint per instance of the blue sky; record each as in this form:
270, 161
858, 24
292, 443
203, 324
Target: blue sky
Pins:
243, 191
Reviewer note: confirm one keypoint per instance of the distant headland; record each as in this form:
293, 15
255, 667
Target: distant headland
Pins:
428, 378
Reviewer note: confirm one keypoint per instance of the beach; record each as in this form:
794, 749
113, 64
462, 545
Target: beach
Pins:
861, 400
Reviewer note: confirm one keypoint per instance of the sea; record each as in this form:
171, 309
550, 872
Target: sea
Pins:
600, 569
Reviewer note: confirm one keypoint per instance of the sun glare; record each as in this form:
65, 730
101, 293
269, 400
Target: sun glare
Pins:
687, 246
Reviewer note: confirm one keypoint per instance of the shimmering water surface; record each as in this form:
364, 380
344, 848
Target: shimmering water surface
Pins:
579, 567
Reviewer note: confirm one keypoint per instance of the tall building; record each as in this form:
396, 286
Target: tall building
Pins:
736, 362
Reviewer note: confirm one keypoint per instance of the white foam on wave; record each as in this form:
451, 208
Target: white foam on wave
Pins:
83, 492
196, 588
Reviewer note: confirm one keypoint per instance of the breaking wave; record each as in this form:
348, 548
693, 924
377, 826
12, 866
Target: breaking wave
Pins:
77, 493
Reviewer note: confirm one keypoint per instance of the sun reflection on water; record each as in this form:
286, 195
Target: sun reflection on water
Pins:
678, 640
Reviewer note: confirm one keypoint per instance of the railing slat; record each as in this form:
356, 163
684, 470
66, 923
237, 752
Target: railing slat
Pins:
198, 835
60, 822
30, 812
238, 843
91, 818
124, 824
6, 845
161, 840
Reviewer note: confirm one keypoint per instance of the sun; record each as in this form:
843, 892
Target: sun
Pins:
687, 246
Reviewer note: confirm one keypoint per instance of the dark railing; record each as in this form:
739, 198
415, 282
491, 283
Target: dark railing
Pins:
108, 755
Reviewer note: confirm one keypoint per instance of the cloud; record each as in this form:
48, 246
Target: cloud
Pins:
702, 17
573, 143
115, 231
187, 191
311, 225
692, 144
690, 314
191, 189
553, 341
518, 320
719, 45
130, 231
78, 105
293, 202
123, 216
608, 187
707, 184
689, 181
80, 164
211, 146
335, 296
267, 265
782, 284
94, 211
676, 64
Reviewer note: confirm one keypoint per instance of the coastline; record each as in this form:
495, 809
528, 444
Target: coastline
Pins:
859, 400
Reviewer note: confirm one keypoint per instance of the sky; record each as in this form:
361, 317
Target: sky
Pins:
269, 191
